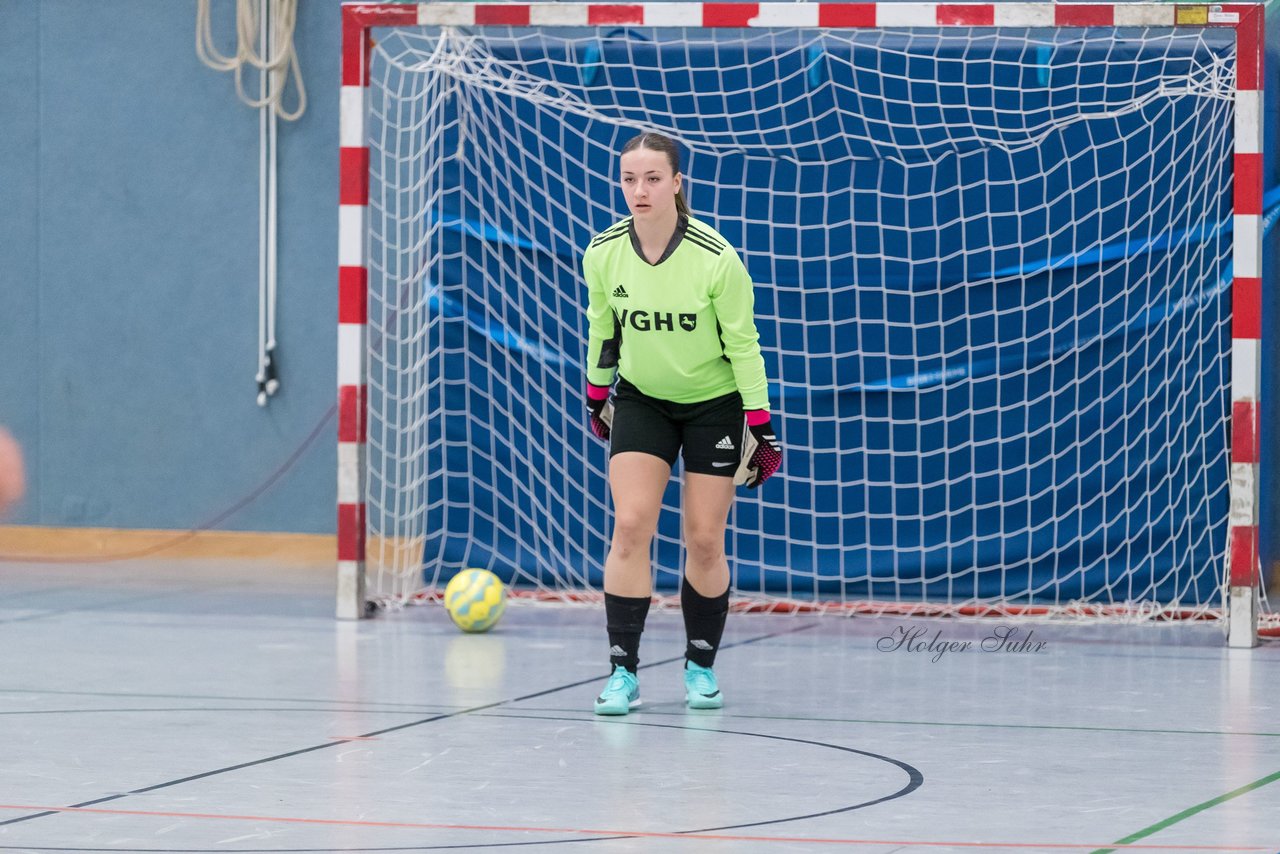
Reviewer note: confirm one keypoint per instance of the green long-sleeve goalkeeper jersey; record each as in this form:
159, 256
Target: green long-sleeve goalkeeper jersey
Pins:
682, 329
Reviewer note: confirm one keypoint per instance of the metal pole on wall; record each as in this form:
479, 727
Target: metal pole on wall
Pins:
267, 378
273, 22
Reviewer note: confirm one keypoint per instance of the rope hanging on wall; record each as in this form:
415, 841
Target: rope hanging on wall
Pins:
271, 23
279, 61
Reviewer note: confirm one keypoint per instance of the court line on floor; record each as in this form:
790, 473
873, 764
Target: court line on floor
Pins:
232, 698
914, 778
1189, 812
329, 744
641, 834
969, 724
442, 708
171, 709
102, 608
1256, 656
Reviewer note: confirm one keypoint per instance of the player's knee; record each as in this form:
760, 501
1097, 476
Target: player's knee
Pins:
631, 533
705, 546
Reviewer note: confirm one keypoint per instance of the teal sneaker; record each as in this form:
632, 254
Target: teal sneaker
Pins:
621, 695
700, 688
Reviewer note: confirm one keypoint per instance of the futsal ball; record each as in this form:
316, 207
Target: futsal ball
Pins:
475, 599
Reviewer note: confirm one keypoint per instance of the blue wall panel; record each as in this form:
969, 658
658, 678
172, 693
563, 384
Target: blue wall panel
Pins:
20, 317
135, 393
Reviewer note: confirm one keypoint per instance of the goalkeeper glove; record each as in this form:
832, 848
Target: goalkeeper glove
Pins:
601, 409
761, 450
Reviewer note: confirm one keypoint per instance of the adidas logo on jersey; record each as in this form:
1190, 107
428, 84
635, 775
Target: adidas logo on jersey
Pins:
725, 444
620, 291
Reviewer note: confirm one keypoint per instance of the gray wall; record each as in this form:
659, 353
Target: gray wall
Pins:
128, 272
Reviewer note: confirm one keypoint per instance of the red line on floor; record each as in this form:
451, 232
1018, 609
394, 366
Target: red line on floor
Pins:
645, 834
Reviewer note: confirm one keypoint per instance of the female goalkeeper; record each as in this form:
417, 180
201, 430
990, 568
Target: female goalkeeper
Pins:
670, 311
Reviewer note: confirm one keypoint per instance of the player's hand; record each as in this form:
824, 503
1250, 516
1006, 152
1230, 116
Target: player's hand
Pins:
762, 452
12, 479
601, 410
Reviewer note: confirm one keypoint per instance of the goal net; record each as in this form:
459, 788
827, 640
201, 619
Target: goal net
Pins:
993, 269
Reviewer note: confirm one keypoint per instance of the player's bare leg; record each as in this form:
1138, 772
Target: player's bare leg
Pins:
637, 482
705, 508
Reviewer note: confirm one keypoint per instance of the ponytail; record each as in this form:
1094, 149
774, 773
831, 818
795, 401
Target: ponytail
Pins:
682, 207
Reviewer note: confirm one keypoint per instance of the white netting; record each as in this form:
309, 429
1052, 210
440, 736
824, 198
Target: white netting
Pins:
991, 274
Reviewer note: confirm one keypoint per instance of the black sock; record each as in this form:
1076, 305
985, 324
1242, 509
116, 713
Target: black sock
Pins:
703, 623
624, 617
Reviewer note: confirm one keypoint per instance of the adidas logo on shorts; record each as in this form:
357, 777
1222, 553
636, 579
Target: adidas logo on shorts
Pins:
725, 444
620, 291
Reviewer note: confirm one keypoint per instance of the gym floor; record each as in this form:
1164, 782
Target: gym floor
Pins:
198, 705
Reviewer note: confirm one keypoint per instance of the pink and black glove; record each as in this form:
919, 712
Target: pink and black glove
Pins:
601, 410
761, 450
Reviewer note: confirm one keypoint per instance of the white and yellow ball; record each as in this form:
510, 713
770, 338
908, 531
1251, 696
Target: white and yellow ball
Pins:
475, 599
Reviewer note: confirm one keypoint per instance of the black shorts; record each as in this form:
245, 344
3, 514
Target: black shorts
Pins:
710, 431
